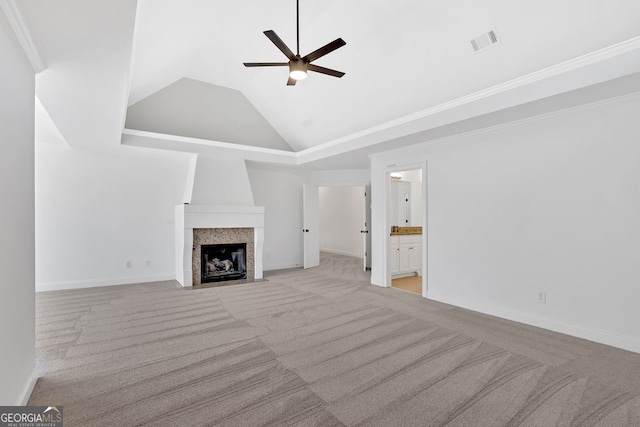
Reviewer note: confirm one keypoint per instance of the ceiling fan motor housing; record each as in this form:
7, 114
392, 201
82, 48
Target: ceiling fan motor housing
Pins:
298, 64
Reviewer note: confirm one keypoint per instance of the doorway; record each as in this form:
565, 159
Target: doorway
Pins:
406, 217
342, 220
336, 222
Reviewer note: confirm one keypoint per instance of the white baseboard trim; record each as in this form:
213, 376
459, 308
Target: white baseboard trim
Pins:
273, 267
599, 336
337, 252
24, 397
187, 278
94, 283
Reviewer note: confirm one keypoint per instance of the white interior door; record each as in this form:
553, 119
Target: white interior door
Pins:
367, 226
311, 222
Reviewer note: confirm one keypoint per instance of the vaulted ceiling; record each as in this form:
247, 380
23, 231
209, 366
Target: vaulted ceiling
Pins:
410, 67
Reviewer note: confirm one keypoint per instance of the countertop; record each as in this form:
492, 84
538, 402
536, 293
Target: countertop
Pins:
405, 231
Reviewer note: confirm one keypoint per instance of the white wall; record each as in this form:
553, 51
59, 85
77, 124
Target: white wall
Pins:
88, 47
279, 190
416, 204
221, 182
398, 204
98, 209
341, 219
341, 177
202, 110
547, 205
17, 296
414, 175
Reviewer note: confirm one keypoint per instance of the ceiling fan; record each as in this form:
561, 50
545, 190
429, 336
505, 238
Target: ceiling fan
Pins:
298, 66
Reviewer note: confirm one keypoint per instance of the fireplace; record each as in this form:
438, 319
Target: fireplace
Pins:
219, 254
198, 226
222, 262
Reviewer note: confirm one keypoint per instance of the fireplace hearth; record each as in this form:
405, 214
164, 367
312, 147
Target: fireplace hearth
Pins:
221, 262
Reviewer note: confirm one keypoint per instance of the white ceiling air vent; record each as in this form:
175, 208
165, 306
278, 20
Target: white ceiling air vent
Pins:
485, 40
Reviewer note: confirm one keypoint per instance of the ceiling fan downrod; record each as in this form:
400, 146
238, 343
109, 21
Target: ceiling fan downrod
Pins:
298, 28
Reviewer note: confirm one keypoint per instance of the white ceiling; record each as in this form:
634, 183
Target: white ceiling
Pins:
401, 56
405, 60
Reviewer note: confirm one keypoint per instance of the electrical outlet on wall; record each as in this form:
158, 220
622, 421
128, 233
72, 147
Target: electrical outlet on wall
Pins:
542, 297
147, 263
128, 264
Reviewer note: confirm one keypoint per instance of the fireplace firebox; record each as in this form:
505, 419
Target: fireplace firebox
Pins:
223, 262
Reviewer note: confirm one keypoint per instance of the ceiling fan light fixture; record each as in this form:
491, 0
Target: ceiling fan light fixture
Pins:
299, 65
298, 75
298, 70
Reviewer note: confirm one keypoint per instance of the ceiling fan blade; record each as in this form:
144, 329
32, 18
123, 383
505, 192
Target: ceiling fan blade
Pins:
266, 64
279, 43
291, 82
328, 71
328, 48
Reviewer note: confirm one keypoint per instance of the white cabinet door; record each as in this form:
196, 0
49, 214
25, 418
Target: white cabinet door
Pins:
403, 258
414, 258
405, 253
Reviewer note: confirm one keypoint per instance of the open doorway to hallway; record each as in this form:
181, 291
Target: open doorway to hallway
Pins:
342, 220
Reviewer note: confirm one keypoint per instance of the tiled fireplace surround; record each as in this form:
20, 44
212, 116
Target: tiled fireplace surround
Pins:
196, 225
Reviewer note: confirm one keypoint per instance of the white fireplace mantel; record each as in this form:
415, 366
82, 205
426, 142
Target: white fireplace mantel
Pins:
188, 217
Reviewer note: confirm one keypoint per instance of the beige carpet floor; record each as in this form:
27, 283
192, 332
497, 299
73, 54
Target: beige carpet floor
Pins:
319, 347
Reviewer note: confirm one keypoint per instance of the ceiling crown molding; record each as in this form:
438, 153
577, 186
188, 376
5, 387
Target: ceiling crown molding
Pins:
19, 27
431, 144
591, 58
